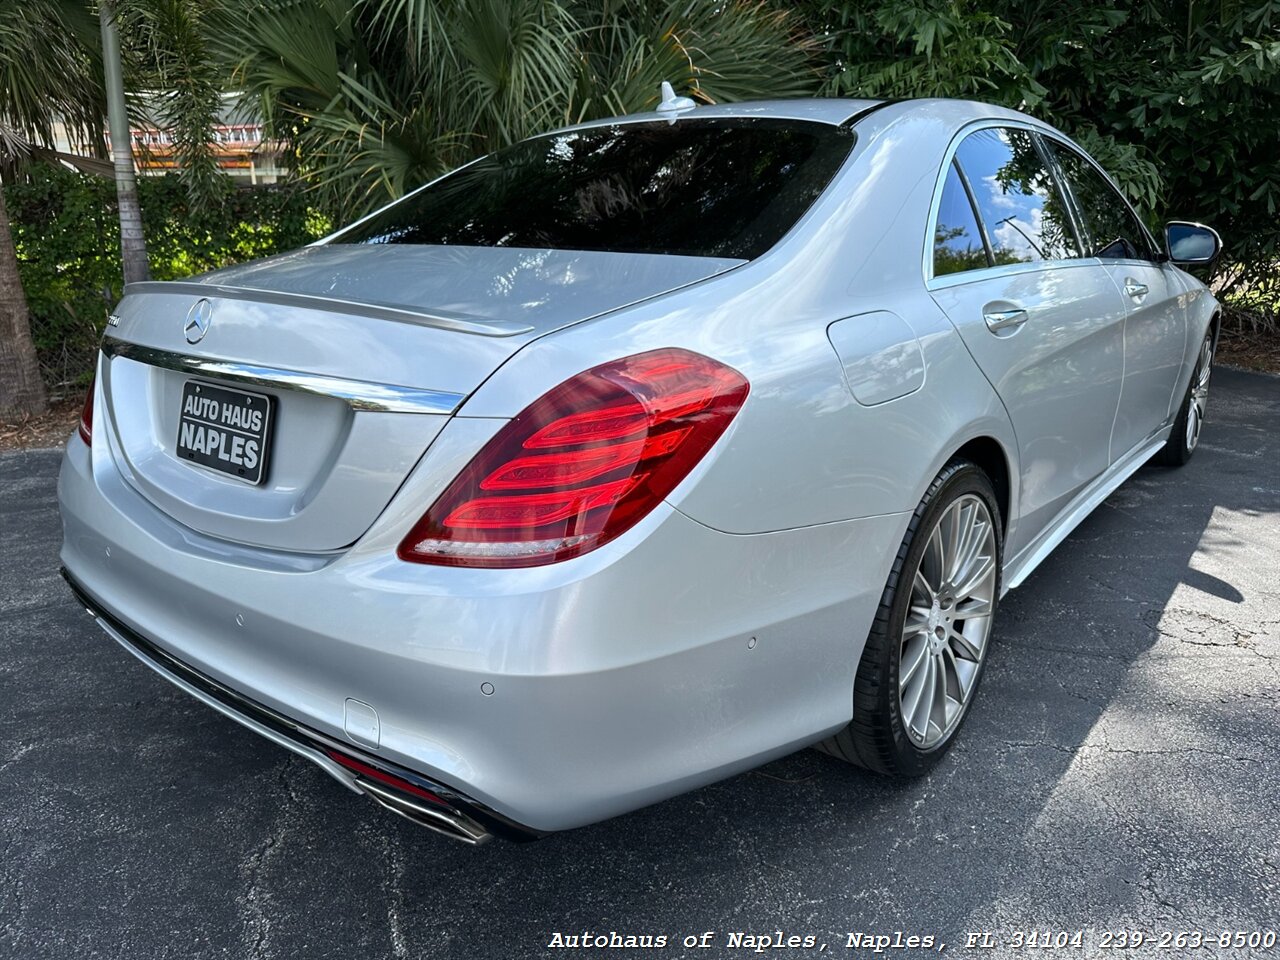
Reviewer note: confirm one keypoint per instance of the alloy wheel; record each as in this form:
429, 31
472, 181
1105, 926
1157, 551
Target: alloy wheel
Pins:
1200, 392
948, 622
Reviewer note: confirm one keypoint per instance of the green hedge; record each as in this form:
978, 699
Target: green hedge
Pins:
67, 237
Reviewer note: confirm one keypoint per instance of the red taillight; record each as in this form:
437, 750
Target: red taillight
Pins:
582, 464
86, 414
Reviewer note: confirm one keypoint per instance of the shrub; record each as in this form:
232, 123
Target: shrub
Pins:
67, 238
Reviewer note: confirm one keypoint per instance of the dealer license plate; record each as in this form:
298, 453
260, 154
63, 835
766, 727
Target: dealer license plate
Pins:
225, 430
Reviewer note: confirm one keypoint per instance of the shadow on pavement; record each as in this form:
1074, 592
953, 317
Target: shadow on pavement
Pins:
1119, 769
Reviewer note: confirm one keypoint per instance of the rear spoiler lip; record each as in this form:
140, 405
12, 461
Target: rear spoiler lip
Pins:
397, 313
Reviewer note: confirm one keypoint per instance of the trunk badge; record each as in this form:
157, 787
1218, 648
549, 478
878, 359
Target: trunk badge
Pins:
198, 319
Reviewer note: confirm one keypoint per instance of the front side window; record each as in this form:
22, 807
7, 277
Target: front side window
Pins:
711, 187
957, 239
1023, 212
1114, 231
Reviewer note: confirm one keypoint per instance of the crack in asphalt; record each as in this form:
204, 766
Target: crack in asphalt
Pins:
393, 890
22, 752
12, 890
1086, 749
257, 898
257, 920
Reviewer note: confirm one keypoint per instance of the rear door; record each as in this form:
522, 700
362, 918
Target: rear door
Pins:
1044, 323
1155, 321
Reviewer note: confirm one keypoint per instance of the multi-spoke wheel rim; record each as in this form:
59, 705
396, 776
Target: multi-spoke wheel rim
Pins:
1200, 392
948, 623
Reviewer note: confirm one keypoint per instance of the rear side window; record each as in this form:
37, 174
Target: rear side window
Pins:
1024, 214
957, 239
712, 187
1114, 231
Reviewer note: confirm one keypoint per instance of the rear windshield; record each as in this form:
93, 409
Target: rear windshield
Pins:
711, 187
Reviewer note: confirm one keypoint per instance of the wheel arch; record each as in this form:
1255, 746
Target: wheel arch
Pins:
989, 455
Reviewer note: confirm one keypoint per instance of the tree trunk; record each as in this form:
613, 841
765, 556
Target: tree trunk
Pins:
21, 389
133, 247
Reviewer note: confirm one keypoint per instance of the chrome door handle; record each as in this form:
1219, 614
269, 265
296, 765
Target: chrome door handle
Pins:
1135, 289
1004, 319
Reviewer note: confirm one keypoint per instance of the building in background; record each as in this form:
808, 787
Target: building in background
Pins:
239, 145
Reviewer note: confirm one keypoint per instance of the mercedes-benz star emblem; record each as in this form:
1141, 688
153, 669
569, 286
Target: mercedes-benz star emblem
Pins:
198, 319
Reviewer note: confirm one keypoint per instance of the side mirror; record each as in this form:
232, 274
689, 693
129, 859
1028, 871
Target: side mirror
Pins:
1191, 244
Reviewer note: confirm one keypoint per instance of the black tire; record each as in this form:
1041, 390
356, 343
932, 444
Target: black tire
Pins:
876, 738
1178, 448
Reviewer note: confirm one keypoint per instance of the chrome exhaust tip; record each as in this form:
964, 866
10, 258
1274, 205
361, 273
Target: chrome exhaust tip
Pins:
443, 820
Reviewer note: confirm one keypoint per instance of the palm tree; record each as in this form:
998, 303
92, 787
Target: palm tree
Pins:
377, 96
62, 65
169, 54
133, 246
21, 389
46, 76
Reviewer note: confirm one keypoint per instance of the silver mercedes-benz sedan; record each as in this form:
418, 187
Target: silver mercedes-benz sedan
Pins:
636, 454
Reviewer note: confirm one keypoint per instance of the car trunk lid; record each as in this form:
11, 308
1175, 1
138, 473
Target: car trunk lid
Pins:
359, 354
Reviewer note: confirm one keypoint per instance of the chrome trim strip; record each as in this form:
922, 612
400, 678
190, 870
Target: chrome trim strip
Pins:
461, 322
358, 394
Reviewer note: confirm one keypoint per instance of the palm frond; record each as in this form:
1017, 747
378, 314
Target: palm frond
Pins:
376, 96
175, 59
47, 75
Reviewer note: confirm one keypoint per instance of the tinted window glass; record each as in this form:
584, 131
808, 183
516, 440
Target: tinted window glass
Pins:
1114, 231
1019, 203
957, 241
724, 188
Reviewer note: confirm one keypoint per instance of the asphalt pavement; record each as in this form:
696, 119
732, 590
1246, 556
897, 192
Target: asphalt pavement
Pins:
1119, 772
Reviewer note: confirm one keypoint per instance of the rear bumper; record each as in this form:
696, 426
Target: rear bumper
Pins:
534, 700
458, 817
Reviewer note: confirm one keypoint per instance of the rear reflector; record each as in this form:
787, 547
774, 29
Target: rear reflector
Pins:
389, 779
582, 464
86, 413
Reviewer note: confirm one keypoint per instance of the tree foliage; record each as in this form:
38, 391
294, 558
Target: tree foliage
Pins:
378, 96
177, 74
67, 238
45, 79
1179, 99
50, 73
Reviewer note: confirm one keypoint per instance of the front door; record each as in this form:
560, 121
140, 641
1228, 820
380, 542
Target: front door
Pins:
1155, 322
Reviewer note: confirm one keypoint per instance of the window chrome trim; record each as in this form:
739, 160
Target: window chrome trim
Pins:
965, 276
1008, 270
1084, 239
358, 394
972, 197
